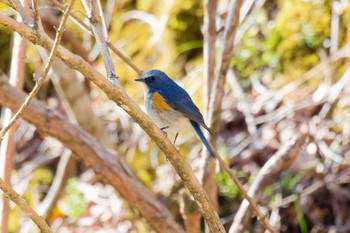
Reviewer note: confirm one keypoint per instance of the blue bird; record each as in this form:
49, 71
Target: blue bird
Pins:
171, 107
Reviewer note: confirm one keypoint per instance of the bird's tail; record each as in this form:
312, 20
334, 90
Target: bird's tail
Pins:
198, 130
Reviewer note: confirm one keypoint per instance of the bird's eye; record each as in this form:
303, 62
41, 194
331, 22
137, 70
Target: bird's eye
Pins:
153, 78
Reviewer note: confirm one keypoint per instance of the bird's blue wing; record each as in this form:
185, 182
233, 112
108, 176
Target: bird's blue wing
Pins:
183, 103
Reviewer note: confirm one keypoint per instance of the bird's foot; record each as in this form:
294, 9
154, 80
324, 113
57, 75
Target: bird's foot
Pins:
177, 134
163, 129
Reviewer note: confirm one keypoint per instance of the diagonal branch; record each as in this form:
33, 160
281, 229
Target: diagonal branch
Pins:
245, 194
118, 95
22, 204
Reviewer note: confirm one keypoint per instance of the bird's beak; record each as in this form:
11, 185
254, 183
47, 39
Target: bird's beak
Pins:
139, 80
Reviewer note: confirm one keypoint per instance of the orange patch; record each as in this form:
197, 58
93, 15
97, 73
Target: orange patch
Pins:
159, 102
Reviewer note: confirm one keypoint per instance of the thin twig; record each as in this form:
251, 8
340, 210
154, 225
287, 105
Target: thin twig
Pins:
281, 159
91, 8
41, 80
247, 21
103, 22
125, 58
22, 204
253, 206
36, 14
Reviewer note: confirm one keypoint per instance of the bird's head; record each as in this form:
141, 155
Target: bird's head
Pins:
155, 80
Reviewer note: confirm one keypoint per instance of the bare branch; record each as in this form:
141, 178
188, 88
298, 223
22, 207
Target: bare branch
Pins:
247, 197
36, 15
22, 204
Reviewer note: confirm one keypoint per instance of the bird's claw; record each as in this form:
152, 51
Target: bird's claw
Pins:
163, 130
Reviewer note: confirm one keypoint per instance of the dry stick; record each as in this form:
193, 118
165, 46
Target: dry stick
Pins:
119, 53
280, 160
117, 94
22, 204
36, 14
241, 189
102, 20
91, 7
41, 80
335, 19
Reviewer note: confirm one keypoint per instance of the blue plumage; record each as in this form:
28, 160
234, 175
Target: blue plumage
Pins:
171, 107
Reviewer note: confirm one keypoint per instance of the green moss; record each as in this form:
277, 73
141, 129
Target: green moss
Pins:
302, 27
185, 21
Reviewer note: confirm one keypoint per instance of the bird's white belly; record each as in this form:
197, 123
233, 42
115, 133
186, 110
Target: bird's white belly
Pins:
171, 121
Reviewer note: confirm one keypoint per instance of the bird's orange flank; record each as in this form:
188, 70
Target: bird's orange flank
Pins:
159, 102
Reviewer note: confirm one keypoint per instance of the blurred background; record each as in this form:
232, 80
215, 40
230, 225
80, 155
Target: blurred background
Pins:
289, 75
